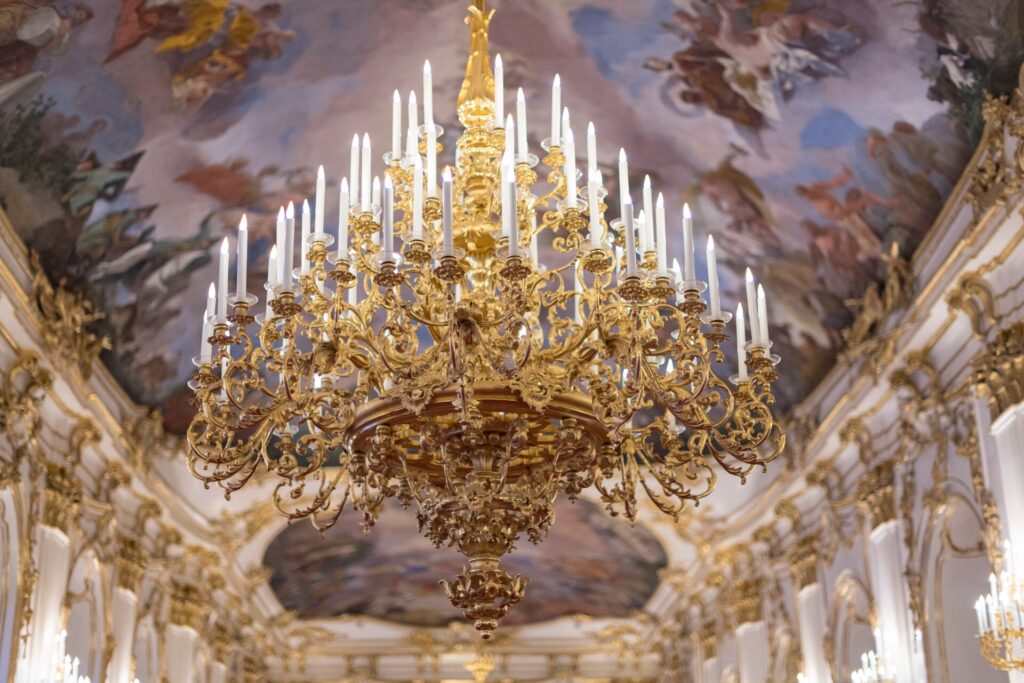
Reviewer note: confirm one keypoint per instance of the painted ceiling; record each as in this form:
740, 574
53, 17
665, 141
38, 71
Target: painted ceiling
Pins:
808, 135
591, 564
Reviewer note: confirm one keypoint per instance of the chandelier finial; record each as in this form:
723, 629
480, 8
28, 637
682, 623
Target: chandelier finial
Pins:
479, 82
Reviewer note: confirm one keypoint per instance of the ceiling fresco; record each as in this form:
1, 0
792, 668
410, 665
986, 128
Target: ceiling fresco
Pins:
591, 564
808, 135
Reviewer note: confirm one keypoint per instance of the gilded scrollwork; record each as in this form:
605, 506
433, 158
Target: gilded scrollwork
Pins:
1000, 173
999, 371
69, 320
24, 387
973, 297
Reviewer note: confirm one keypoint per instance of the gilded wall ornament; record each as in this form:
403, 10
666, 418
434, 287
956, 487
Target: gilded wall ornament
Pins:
68, 319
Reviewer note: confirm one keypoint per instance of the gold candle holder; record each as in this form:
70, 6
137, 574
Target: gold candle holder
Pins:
432, 209
388, 275
342, 273
662, 288
633, 290
692, 304
365, 223
284, 305
449, 269
416, 252
597, 261
515, 268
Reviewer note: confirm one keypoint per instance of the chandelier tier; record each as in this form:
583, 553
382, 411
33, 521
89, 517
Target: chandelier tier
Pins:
449, 369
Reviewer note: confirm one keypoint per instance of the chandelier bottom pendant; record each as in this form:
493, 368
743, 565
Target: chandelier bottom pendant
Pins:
457, 373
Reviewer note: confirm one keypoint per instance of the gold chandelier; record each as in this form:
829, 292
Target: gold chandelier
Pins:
1000, 615
457, 373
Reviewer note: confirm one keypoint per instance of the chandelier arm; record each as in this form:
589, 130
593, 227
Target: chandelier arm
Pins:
430, 322
295, 487
556, 180
320, 524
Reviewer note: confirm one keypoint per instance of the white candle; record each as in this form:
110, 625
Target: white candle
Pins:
593, 183
222, 282
629, 227
241, 264
623, 178
741, 342
431, 162
282, 235
506, 171
375, 191
205, 348
417, 198
510, 138
364, 182
271, 280
289, 245
412, 140
646, 233
428, 96
556, 111
659, 242
388, 220
524, 148
752, 307
396, 127
321, 192
353, 170
343, 220
641, 221
499, 92
304, 239
716, 304
689, 271
569, 150
447, 233
565, 124
979, 609
591, 149
762, 316
513, 220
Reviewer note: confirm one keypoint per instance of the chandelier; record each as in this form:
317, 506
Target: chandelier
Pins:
872, 670
1000, 615
424, 353
64, 668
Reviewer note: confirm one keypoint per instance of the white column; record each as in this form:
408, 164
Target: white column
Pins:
1008, 433
123, 610
181, 647
752, 652
218, 673
711, 671
810, 604
1001, 443
53, 558
895, 627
